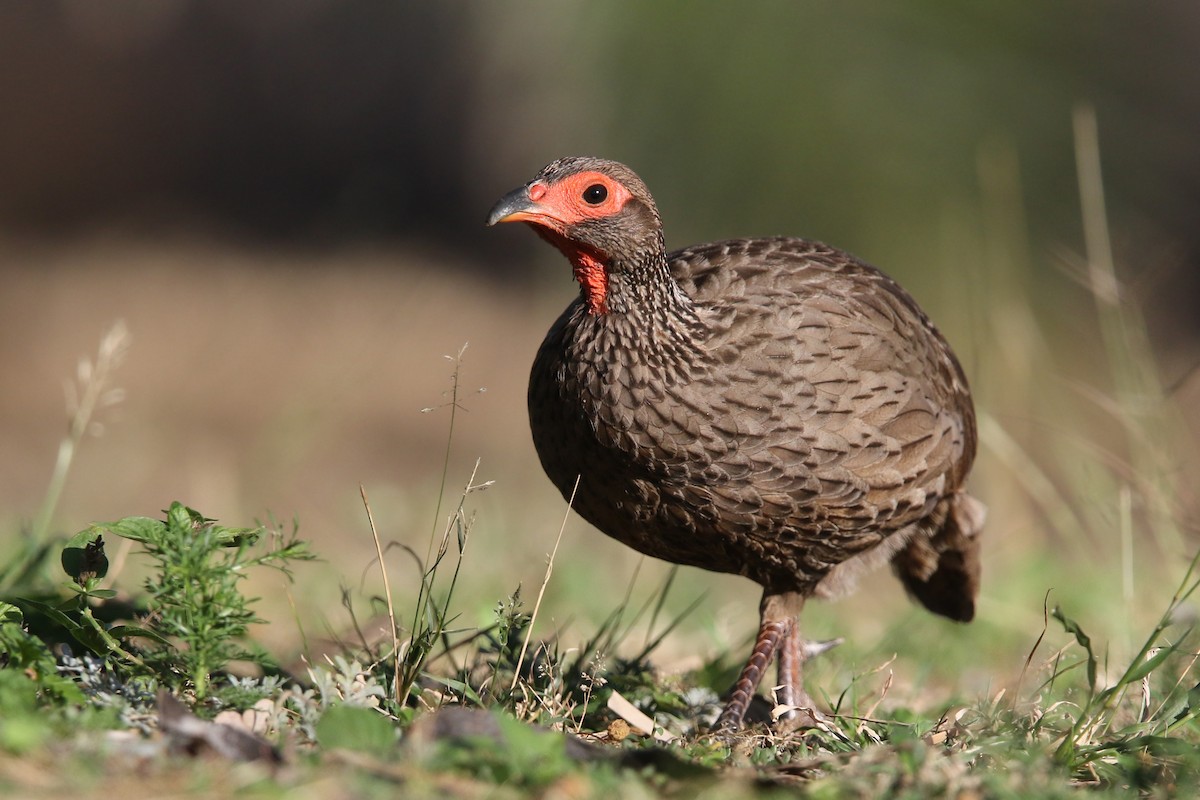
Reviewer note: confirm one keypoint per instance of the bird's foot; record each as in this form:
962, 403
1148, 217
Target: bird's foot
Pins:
793, 709
796, 713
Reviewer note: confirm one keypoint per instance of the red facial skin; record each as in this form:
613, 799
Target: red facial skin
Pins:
558, 206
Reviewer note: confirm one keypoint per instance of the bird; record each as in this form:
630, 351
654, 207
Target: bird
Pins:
769, 407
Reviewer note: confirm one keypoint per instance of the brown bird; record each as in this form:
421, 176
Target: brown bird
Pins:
773, 408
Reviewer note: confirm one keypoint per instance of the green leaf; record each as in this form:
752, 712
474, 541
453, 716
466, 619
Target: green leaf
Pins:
92, 639
54, 614
236, 537
83, 555
183, 520
130, 631
462, 688
22, 726
69, 605
10, 613
139, 529
95, 594
534, 755
1085, 641
1156, 745
23, 650
356, 728
1139, 671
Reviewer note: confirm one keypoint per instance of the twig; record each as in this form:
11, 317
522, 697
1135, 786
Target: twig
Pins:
454, 407
542, 591
387, 593
1016, 696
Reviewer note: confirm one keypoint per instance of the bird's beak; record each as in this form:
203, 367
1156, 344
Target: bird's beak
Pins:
515, 207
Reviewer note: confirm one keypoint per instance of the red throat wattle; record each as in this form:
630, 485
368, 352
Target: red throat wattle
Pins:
593, 279
588, 267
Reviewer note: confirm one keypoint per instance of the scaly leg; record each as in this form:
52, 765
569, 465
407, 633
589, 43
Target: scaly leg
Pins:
777, 628
792, 654
769, 635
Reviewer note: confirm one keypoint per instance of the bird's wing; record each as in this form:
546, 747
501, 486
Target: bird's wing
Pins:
833, 400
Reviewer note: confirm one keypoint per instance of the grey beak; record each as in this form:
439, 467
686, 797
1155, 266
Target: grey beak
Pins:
513, 207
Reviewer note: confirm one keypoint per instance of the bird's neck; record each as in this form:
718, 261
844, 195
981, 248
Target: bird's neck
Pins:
633, 298
640, 284
647, 317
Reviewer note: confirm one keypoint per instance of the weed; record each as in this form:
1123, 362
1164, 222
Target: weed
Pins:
91, 392
193, 603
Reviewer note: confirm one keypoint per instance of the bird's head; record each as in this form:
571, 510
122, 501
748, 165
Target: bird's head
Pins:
597, 212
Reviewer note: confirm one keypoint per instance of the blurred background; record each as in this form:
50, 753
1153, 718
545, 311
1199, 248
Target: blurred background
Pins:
283, 201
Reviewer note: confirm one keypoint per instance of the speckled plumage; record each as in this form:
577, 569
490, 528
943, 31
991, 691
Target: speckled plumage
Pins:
773, 408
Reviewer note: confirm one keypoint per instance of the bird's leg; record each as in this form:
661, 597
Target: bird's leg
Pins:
790, 661
769, 635
801, 711
777, 627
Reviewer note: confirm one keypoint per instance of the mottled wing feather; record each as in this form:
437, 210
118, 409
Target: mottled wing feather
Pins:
839, 401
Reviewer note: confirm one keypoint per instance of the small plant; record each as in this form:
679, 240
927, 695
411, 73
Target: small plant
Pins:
193, 596
503, 642
196, 617
1122, 719
28, 656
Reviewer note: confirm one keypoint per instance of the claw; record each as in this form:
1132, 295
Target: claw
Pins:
809, 648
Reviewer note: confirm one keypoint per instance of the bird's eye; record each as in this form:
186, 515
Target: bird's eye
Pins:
595, 194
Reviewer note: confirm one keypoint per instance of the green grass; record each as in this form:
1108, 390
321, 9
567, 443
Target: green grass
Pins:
1079, 676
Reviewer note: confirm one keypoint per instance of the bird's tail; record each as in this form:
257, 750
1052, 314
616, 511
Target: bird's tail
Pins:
941, 570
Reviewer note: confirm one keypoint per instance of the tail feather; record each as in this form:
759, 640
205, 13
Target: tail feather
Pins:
941, 570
